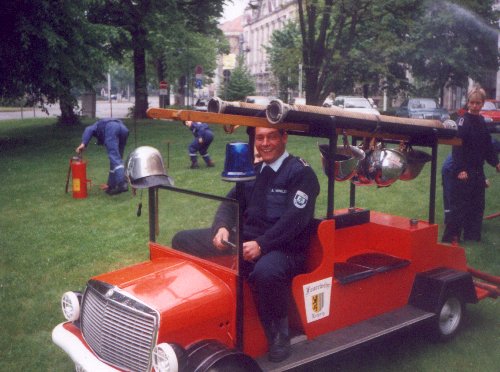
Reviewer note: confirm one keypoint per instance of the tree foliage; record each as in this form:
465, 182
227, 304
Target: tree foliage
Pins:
285, 55
240, 84
451, 44
49, 49
176, 55
375, 42
344, 42
143, 18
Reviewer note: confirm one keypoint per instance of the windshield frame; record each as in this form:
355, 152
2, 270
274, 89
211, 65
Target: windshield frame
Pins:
154, 212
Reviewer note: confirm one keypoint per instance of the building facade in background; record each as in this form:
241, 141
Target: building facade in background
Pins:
260, 19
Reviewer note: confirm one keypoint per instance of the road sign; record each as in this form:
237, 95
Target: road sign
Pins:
163, 85
198, 70
198, 83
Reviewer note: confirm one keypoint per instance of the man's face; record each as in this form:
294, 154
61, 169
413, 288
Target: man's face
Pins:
270, 143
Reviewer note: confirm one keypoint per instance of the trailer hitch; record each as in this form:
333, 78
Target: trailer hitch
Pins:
488, 287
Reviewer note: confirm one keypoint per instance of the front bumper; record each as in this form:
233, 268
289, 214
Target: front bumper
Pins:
69, 338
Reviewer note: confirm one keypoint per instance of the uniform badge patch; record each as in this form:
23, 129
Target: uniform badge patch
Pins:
300, 199
461, 122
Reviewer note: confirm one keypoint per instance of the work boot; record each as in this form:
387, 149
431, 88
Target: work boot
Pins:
123, 187
208, 161
279, 349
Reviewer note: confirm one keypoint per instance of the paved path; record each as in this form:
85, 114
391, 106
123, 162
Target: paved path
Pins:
103, 110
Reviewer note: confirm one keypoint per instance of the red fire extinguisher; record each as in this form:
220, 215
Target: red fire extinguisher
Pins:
79, 181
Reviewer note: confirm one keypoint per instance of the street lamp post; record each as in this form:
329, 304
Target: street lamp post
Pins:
300, 80
109, 96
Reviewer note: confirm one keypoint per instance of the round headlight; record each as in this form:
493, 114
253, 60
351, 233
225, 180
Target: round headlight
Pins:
164, 358
70, 306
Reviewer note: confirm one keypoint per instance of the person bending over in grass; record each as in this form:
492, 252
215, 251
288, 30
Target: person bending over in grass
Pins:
112, 134
203, 137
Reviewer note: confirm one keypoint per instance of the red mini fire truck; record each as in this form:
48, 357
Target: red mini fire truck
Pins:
177, 312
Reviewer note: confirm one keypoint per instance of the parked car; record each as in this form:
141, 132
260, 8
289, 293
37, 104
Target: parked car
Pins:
352, 103
297, 101
422, 108
491, 113
259, 100
201, 104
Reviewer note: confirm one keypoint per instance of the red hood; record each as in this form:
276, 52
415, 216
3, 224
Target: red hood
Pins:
168, 284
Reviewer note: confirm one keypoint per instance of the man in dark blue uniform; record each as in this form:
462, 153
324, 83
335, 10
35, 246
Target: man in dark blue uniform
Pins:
203, 137
467, 188
277, 224
113, 134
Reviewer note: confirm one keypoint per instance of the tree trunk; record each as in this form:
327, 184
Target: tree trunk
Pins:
160, 68
181, 90
67, 104
140, 81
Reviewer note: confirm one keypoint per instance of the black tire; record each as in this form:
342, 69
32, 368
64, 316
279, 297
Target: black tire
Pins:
235, 365
448, 319
213, 356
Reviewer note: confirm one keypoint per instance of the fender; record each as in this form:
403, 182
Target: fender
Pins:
430, 287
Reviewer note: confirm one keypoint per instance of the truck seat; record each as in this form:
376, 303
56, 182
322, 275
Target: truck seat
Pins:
380, 262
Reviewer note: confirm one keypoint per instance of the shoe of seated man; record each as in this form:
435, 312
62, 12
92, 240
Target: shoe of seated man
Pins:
279, 349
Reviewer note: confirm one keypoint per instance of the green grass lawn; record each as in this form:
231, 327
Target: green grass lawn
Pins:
51, 243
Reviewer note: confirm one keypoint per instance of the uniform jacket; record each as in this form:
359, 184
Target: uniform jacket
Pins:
98, 130
201, 130
476, 146
278, 216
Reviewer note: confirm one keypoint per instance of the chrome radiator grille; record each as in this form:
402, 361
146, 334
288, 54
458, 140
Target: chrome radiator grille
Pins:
119, 329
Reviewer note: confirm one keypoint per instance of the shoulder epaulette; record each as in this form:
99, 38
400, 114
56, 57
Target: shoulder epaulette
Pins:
305, 163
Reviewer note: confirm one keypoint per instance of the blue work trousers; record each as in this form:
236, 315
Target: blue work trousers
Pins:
202, 148
115, 140
467, 203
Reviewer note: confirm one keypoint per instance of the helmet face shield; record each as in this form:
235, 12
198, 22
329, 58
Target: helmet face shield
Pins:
145, 168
